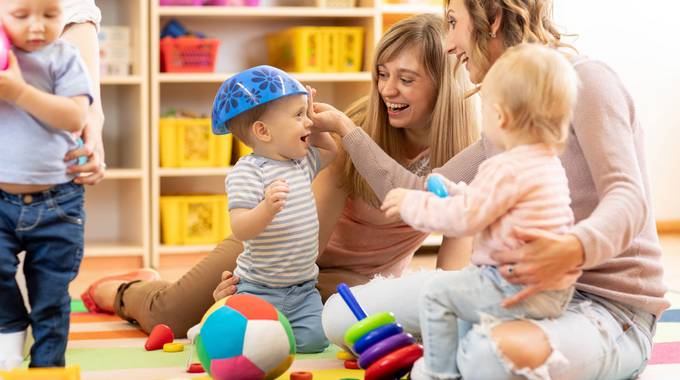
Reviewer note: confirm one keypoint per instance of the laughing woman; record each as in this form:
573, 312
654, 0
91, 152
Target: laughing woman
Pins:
612, 254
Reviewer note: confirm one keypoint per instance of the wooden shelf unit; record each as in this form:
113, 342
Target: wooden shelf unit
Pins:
241, 31
117, 209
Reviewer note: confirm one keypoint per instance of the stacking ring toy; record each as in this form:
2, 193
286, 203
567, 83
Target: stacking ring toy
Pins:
385, 351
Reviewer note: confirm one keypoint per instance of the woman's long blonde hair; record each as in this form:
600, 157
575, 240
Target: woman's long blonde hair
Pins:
521, 21
453, 122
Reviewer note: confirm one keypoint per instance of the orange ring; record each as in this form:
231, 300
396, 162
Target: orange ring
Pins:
301, 375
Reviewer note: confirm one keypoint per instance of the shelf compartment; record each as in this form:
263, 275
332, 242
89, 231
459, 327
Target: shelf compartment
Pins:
114, 211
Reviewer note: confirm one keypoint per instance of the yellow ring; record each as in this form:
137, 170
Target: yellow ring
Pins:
173, 347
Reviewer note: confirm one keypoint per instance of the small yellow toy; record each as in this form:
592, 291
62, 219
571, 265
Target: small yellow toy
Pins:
173, 347
68, 373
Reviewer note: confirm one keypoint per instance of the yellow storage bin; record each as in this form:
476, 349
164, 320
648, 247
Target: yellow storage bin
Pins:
189, 142
330, 41
350, 48
317, 49
194, 219
296, 49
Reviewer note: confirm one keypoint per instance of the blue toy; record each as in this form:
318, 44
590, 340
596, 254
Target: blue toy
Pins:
174, 29
248, 89
385, 350
436, 185
82, 159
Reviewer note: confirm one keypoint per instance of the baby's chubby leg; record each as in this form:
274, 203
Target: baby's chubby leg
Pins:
303, 309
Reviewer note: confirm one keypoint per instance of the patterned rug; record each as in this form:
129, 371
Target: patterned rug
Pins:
106, 347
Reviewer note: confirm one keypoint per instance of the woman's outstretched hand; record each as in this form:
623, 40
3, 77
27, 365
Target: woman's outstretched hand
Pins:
227, 287
327, 118
548, 261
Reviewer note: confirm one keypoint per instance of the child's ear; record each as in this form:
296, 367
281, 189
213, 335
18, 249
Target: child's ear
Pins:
504, 117
261, 131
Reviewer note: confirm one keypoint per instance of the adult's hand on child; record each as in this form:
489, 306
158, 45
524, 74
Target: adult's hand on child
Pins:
548, 261
392, 203
327, 118
12, 83
275, 195
93, 149
226, 287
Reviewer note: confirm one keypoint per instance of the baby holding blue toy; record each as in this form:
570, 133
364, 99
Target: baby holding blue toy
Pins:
527, 114
44, 96
271, 204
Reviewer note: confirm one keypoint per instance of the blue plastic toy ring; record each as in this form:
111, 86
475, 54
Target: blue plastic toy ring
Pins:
376, 336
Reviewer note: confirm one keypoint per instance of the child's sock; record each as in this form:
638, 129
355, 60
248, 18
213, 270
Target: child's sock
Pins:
12, 349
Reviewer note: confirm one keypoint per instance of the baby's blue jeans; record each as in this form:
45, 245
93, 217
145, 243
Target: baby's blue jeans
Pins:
451, 302
48, 225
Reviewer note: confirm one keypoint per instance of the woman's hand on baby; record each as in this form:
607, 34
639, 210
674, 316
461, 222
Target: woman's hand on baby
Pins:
548, 261
275, 195
12, 83
327, 118
392, 203
226, 287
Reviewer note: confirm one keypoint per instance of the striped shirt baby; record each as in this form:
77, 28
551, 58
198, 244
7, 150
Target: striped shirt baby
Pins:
284, 254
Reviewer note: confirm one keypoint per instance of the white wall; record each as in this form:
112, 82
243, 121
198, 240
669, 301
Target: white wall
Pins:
640, 40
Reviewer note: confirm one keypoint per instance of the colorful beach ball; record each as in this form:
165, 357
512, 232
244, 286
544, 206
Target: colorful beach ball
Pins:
244, 337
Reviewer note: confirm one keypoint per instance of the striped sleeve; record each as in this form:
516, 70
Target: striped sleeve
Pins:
313, 162
245, 185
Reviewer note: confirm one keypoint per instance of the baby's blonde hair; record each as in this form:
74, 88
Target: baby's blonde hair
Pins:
537, 86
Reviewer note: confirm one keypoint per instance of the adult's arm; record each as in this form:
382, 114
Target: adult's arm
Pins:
82, 18
330, 201
383, 173
604, 127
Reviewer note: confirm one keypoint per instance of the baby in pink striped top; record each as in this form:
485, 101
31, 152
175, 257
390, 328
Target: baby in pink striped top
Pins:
527, 100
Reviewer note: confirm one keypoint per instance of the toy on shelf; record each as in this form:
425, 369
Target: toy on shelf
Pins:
243, 337
186, 51
115, 50
436, 185
5, 46
385, 350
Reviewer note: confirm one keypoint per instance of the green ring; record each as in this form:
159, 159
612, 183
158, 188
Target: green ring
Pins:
365, 325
